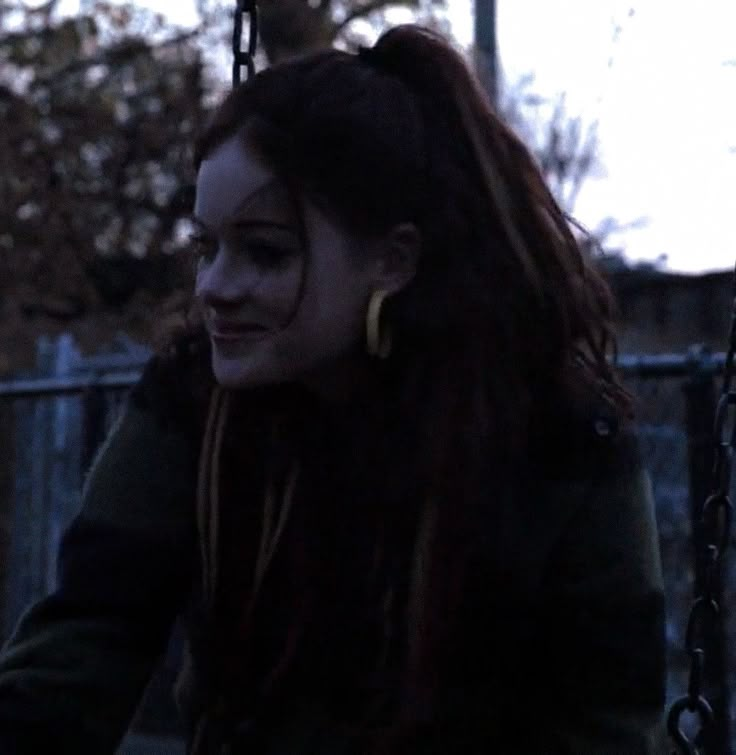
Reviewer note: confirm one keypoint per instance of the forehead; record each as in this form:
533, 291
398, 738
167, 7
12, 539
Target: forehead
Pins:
232, 181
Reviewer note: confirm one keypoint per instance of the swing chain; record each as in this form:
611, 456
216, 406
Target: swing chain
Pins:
246, 57
712, 537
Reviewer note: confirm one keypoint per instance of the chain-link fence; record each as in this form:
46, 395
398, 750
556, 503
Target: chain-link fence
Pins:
675, 403
59, 421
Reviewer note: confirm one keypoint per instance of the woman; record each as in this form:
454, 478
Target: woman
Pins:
389, 478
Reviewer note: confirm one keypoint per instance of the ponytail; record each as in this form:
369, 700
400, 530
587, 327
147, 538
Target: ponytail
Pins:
562, 281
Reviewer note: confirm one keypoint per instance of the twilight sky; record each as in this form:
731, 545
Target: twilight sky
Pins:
666, 110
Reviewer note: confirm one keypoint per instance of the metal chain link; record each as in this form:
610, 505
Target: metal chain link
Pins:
246, 57
711, 541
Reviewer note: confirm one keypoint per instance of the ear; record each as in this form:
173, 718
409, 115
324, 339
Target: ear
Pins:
397, 258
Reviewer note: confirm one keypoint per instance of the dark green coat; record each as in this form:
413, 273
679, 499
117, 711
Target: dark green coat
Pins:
564, 648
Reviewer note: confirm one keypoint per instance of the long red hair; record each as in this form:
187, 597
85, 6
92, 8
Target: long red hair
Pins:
506, 321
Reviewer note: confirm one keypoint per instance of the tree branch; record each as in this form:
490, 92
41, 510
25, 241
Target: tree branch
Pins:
362, 11
126, 50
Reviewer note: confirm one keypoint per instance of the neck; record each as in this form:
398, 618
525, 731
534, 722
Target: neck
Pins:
338, 383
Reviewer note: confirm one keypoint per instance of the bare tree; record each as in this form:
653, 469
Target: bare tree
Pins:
566, 148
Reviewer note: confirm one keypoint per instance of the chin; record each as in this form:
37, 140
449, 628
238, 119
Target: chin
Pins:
235, 374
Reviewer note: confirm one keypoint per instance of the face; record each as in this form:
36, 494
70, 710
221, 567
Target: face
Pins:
277, 309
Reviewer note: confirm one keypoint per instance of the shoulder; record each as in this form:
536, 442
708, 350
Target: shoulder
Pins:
584, 470
583, 428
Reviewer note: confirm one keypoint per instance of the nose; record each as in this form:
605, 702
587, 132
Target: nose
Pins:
219, 284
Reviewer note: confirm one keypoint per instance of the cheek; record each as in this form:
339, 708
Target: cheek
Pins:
329, 322
277, 295
331, 315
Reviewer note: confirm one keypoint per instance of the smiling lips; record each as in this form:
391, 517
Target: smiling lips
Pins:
227, 332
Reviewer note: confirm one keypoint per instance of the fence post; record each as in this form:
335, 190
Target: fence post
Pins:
64, 451
27, 572
8, 466
486, 47
93, 417
700, 410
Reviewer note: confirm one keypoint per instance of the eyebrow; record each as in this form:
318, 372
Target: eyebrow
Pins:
245, 223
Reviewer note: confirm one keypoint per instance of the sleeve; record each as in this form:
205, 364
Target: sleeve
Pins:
603, 633
72, 673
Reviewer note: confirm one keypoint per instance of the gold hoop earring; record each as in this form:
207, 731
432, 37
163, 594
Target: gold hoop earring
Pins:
378, 344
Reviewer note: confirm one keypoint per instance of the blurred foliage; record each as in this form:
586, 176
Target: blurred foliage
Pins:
97, 119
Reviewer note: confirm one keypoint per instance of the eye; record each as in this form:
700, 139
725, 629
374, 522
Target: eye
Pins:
267, 255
